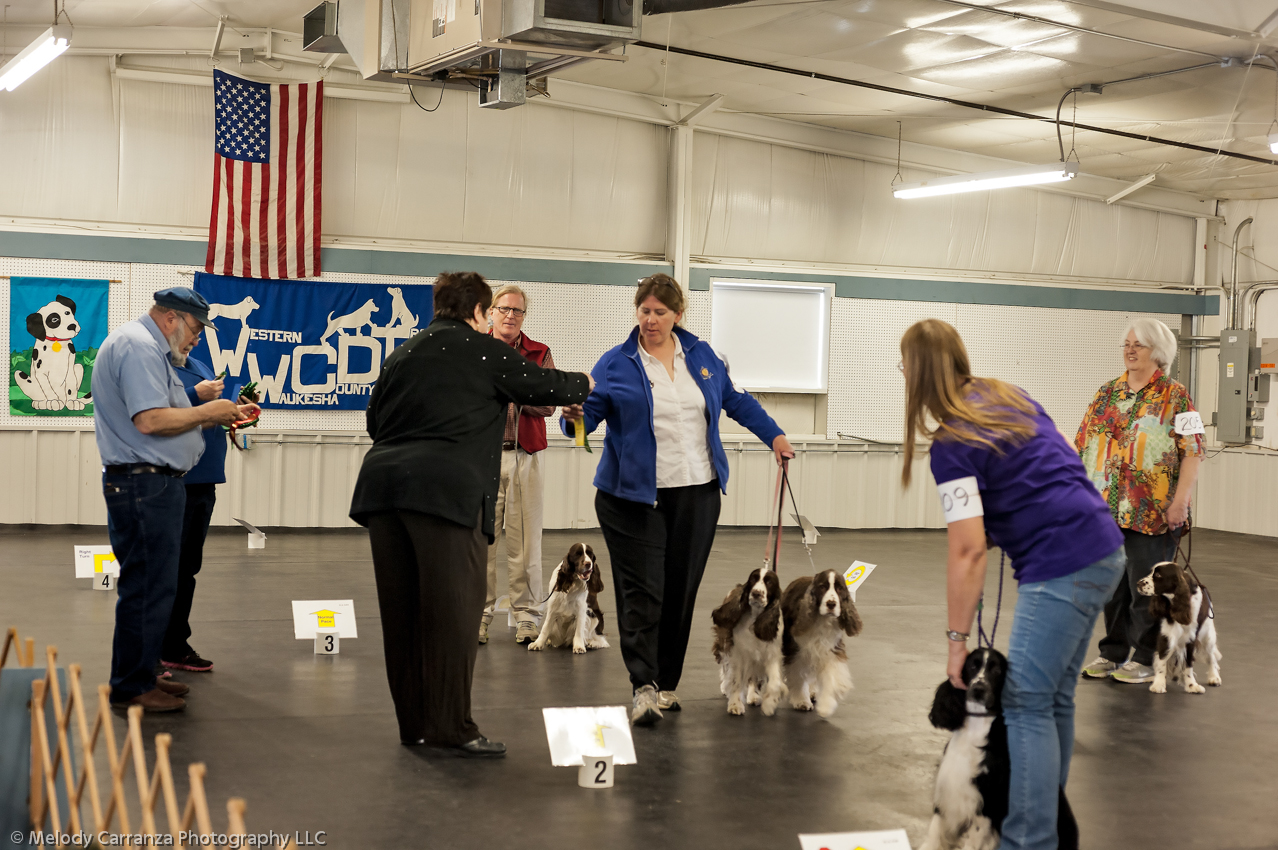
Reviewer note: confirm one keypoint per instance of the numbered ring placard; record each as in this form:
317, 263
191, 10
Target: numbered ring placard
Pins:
104, 581
596, 772
328, 641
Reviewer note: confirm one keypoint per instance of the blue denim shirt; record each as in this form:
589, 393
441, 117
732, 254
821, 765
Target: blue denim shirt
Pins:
132, 373
623, 398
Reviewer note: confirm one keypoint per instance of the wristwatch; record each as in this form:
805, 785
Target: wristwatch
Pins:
957, 637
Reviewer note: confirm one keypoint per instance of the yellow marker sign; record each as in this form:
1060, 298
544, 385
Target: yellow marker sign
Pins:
100, 560
327, 619
854, 574
599, 736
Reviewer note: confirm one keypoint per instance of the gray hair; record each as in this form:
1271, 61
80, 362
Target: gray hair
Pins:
1156, 335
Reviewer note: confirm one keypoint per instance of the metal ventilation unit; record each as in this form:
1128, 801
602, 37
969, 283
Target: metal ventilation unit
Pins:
505, 48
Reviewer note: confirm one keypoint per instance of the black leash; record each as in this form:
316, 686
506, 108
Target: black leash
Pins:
1186, 553
998, 609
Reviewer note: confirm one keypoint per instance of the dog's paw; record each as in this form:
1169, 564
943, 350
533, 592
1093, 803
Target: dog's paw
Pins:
536, 646
826, 708
1194, 688
770, 707
1158, 688
578, 649
801, 705
736, 706
53, 405
1214, 681
76, 404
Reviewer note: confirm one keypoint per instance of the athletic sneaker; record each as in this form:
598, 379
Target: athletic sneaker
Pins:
1132, 673
526, 632
483, 632
647, 708
668, 701
1100, 668
191, 662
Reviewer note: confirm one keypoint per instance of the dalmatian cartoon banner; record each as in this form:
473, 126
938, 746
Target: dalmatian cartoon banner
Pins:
307, 345
55, 328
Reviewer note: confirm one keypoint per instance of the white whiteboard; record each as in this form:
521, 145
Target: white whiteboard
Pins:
774, 336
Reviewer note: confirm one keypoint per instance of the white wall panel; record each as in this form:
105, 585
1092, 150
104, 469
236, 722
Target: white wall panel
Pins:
758, 200
166, 152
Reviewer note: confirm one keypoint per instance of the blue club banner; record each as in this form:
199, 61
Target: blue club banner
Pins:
309, 346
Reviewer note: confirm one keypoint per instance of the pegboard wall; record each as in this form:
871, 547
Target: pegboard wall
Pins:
1059, 356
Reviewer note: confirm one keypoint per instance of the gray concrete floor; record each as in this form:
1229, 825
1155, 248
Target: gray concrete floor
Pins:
311, 742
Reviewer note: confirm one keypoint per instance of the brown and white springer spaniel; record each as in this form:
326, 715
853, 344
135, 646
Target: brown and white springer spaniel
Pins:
748, 629
1186, 628
818, 613
572, 610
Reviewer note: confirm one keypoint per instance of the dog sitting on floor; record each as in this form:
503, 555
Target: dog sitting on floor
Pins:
970, 800
818, 613
748, 630
1186, 628
573, 614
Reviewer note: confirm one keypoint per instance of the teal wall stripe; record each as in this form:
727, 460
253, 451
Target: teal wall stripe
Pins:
974, 292
360, 261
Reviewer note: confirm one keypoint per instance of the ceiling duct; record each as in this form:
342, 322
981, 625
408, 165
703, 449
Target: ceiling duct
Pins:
505, 48
663, 7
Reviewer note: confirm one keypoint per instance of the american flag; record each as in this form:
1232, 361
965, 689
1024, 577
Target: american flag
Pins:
266, 179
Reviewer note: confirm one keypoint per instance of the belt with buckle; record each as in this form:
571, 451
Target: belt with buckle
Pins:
508, 445
142, 469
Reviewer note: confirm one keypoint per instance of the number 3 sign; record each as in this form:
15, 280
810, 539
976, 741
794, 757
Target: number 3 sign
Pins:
961, 499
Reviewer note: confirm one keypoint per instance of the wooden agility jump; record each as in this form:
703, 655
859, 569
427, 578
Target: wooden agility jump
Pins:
51, 765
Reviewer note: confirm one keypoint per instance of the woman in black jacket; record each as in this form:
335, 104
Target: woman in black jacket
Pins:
427, 492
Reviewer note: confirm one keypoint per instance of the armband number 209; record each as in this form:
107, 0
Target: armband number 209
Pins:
961, 499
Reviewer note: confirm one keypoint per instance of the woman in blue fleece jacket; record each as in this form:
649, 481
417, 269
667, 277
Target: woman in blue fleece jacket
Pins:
659, 481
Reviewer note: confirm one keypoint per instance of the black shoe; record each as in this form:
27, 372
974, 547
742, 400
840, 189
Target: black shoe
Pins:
412, 742
480, 748
191, 662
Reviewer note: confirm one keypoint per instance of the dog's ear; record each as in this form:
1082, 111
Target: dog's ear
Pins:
35, 325
1180, 599
849, 619
766, 624
65, 302
949, 707
728, 614
566, 573
595, 585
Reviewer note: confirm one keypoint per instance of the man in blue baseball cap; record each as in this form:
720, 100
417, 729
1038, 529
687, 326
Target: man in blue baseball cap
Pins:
148, 436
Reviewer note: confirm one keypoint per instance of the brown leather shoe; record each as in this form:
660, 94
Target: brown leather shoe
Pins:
172, 688
154, 700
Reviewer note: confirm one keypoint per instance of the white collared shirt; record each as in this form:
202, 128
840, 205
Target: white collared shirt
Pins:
679, 419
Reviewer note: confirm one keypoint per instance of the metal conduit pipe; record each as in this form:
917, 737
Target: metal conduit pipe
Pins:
952, 101
1233, 278
1251, 300
662, 7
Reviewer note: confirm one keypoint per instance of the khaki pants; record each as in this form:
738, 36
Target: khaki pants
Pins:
519, 511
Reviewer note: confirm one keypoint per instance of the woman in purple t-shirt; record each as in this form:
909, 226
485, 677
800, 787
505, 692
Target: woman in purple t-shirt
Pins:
1005, 472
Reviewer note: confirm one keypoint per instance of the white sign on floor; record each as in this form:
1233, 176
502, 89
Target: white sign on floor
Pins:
890, 839
309, 615
93, 561
583, 731
856, 576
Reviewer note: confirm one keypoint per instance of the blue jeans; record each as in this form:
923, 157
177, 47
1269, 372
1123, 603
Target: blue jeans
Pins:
144, 519
1050, 635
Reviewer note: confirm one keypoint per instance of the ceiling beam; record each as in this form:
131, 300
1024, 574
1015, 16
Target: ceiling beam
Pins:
1142, 182
710, 104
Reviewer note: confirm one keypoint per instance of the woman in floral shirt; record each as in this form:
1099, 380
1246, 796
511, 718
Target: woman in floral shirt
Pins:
1144, 461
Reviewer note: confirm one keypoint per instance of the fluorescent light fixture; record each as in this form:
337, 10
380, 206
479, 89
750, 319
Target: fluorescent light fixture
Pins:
1273, 142
35, 56
1026, 175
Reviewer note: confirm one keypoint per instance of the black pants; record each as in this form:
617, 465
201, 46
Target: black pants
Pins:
200, 499
1128, 623
431, 576
658, 557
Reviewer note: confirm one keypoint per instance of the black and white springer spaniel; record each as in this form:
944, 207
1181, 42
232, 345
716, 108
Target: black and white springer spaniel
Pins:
748, 629
1186, 629
573, 614
970, 800
818, 613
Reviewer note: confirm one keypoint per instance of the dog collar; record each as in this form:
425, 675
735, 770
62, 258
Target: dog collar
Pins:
57, 339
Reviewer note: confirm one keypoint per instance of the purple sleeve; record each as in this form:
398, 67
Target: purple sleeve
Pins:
956, 460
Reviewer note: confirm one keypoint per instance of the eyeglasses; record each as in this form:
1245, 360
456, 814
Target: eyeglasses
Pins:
511, 311
195, 332
1127, 346
900, 367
